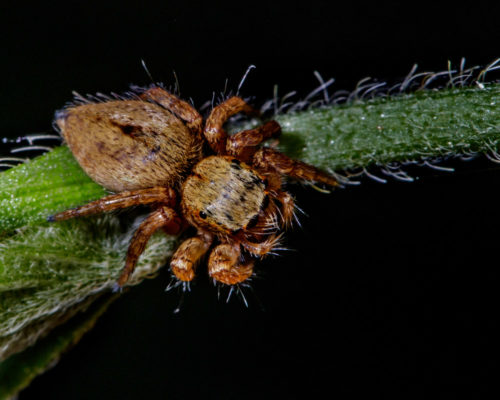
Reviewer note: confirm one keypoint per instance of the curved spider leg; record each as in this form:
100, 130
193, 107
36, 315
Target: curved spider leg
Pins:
270, 159
260, 248
176, 106
243, 145
226, 264
265, 223
287, 207
214, 133
187, 255
162, 217
161, 195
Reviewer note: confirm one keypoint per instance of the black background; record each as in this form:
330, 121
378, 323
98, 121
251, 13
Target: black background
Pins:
388, 289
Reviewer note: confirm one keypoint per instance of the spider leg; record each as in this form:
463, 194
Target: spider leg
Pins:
287, 206
260, 248
214, 133
267, 223
225, 264
243, 145
161, 195
190, 251
285, 200
178, 107
270, 159
162, 217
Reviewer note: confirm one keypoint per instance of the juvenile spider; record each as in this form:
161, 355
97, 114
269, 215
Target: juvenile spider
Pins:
156, 150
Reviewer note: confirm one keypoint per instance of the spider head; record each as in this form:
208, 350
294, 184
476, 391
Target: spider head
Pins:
224, 196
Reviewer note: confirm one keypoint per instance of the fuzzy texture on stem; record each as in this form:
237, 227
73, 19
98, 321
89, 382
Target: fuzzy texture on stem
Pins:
407, 128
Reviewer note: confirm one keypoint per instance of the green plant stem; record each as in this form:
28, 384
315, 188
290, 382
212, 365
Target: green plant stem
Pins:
409, 127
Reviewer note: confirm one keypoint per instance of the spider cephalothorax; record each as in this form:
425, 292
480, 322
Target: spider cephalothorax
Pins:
149, 150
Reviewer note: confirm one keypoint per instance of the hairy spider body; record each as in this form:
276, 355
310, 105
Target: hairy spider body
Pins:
129, 144
150, 150
222, 195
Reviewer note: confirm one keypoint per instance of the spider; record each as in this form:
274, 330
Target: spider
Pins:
155, 149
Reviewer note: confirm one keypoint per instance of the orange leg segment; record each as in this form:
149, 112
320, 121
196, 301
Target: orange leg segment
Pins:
160, 195
188, 254
260, 248
224, 264
162, 217
287, 207
243, 145
214, 133
269, 159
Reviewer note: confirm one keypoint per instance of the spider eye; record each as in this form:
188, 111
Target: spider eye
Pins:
203, 215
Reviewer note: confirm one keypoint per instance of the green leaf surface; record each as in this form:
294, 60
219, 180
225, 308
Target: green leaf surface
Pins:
45, 270
19, 370
30, 192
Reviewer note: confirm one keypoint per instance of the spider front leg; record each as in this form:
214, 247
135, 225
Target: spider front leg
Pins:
287, 207
267, 159
160, 195
163, 217
188, 254
261, 248
214, 133
243, 145
225, 264
178, 107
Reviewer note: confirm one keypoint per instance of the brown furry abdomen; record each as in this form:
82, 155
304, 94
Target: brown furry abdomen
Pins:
129, 144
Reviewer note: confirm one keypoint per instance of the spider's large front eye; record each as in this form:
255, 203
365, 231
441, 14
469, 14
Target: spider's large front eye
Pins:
203, 215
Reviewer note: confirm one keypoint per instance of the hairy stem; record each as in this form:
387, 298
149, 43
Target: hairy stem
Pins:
410, 127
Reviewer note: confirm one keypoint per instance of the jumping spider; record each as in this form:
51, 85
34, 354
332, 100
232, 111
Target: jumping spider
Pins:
155, 149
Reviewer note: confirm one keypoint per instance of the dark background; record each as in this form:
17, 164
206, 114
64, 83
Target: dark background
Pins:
388, 289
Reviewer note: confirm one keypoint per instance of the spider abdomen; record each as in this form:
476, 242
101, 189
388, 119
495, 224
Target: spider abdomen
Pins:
223, 195
129, 144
